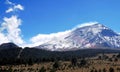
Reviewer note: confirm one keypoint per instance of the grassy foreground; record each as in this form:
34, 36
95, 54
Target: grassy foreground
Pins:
100, 63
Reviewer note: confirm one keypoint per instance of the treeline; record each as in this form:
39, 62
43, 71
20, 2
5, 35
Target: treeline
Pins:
44, 55
9, 55
32, 55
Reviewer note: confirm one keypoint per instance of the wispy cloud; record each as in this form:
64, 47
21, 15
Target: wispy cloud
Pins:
13, 7
8, 2
9, 10
3, 38
86, 24
43, 38
9, 29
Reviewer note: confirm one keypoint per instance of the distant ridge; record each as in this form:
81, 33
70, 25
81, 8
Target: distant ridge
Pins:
8, 45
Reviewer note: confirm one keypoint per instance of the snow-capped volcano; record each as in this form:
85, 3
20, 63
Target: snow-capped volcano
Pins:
85, 36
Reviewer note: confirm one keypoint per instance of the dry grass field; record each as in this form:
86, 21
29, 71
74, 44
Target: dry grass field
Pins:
95, 64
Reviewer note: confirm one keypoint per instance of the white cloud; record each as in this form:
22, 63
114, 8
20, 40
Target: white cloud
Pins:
43, 38
10, 31
14, 7
3, 38
20, 7
86, 24
9, 10
8, 2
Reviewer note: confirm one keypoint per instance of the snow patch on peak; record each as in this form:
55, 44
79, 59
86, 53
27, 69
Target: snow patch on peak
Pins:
94, 27
95, 30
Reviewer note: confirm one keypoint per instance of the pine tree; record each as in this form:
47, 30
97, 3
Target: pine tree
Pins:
56, 65
74, 61
42, 69
83, 62
104, 70
30, 61
111, 70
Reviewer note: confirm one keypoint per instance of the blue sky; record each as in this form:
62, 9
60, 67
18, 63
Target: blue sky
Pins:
48, 16
51, 16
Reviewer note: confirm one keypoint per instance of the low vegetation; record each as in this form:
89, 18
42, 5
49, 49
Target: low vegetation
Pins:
100, 63
36, 60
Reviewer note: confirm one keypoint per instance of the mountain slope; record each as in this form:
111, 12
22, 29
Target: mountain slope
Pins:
88, 36
8, 45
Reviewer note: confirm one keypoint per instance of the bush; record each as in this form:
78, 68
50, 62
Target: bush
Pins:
115, 59
111, 70
104, 70
53, 70
74, 61
56, 65
83, 62
42, 69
